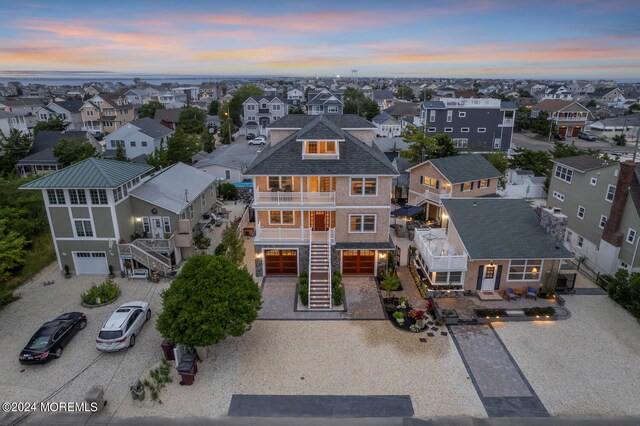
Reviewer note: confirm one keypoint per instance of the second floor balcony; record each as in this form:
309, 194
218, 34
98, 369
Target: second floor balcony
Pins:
436, 251
434, 196
290, 198
271, 234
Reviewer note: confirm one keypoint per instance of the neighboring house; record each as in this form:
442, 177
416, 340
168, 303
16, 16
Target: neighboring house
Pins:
170, 99
384, 98
295, 96
610, 96
10, 121
386, 125
41, 159
139, 97
391, 146
105, 113
324, 101
405, 113
627, 125
570, 117
558, 92
110, 213
321, 189
462, 176
23, 111
228, 162
480, 125
260, 111
168, 117
67, 111
602, 201
140, 137
488, 244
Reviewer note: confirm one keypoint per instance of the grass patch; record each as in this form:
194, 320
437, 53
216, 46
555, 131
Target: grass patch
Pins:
39, 256
103, 293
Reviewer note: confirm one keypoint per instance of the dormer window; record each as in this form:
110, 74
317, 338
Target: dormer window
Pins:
321, 147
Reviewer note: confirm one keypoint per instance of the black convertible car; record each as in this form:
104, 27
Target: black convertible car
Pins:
52, 337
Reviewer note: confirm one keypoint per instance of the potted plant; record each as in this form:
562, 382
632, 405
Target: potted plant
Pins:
399, 316
67, 274
390, 283
111, 274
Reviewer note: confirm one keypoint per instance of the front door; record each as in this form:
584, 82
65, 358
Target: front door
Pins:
319, 221
489, 280
156, 227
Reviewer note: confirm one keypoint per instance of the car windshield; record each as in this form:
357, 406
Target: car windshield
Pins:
110, 334
39, 342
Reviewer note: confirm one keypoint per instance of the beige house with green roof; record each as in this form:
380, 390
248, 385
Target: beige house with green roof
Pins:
109, 213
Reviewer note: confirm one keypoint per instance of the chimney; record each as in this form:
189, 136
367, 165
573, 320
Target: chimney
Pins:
612, 233
554, 222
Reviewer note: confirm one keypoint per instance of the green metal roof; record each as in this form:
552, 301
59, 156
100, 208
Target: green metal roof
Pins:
91, 173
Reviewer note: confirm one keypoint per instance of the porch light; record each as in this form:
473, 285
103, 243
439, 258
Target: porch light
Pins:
138, 219
382, 255
497, 317
258, 255
491, 263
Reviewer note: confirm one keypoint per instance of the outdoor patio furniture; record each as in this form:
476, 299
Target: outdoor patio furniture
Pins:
139, 274
401, 231
532, 292
509, 294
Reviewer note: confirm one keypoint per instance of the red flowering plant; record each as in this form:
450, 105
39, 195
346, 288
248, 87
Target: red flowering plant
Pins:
417, 314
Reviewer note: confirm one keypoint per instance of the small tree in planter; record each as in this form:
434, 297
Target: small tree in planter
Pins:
67, 274
390, 283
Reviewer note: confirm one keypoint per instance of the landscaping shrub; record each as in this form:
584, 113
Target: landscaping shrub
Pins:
490, 312
337, 292
228, 191
532, 312
220, 249
390, 283
303, 288
107, 291
7, 298
624, 288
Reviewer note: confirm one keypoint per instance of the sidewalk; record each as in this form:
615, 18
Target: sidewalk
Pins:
409, 289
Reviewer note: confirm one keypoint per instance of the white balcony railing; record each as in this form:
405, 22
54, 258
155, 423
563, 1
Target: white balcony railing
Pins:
436, 251
266, 234
294, 198
508, 122
433, 196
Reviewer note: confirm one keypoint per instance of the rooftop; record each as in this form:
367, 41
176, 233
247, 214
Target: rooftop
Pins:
583, 163
344, 121
236, 156
465, 168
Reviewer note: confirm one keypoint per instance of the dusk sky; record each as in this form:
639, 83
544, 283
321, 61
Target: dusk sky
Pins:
484, 38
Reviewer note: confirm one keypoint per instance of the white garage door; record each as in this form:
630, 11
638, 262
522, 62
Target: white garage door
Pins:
91, 263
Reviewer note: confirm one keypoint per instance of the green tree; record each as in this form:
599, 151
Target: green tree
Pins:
158, 158
542, 126
13, 147
12, 250
181, 146
192, 120
422, 148
563, 150
208, 143
521, 122
296, 110
224, 131
624, 288
234, 245
620, 140
149, 109
355, 102
53, 123
499, 161
537, 161
70, 151
390, 283
24, 210
120, 155
369, 109
592, 104
228, 191
405, 93
213, 107
235, 105
426, 94
210, 299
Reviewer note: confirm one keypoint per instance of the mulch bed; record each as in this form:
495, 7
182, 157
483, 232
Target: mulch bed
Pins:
390, 306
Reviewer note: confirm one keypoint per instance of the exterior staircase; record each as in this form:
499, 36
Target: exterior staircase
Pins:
320, 272
148, 253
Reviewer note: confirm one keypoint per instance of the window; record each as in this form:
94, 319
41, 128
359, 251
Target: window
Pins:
98, 196
624, 265
191, 212
77, 196
631, 235
251, 107
593, 181
580, 241
482, 129
431, 130
449, 116
558, 196
460, 142
464, 130
90, 113
133, 144
462, 114
332, 109
166, 224
490, 272
564, 173
277, 217
364, 186
276, 107
569, 236
227, 174
113, 144
611, 192
204, 201
581, 212
433, 183
323, 147
280, 183
448, 129
83, 228
143, 143
146, 225
362, 223
467, 186
496, 143
525, 270
213, 192
483, 183
432, 115
603, 221
117, 194
56, 196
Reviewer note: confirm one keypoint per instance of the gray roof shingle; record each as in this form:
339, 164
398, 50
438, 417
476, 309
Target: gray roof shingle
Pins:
499, 228
320, 129
344, 121
583, 163
465, 168
151, 128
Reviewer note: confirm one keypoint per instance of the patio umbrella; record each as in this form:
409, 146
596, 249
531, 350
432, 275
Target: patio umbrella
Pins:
406, 211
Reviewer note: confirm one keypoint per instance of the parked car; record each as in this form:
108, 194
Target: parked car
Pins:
123, 325
260, 140
587, 136
49, 341
559, 137
250, 136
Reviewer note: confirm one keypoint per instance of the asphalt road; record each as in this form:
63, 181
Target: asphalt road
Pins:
529, 141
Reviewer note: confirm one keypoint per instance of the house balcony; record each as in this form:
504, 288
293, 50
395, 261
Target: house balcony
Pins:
507, 122
279, 198
436, 251
434, 197
290, 235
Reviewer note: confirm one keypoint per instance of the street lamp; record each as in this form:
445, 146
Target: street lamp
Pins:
226, 114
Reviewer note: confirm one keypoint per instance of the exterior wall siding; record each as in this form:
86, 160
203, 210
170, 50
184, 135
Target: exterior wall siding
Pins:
344, 197
67, 247
61, 222
103, 222
382, 226
471, 276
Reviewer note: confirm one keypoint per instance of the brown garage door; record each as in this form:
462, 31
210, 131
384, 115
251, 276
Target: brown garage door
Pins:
281, 262
360, 262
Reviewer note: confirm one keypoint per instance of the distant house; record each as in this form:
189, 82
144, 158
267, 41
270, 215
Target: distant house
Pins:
384, 98
10, 121
571, 117
228, 162
23, 111
260, 111
140, 137
405, 113
67, 111
627, 125
295, 96
41, 159
105, 113
609, 96
386, 125
168, 117
324, 102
